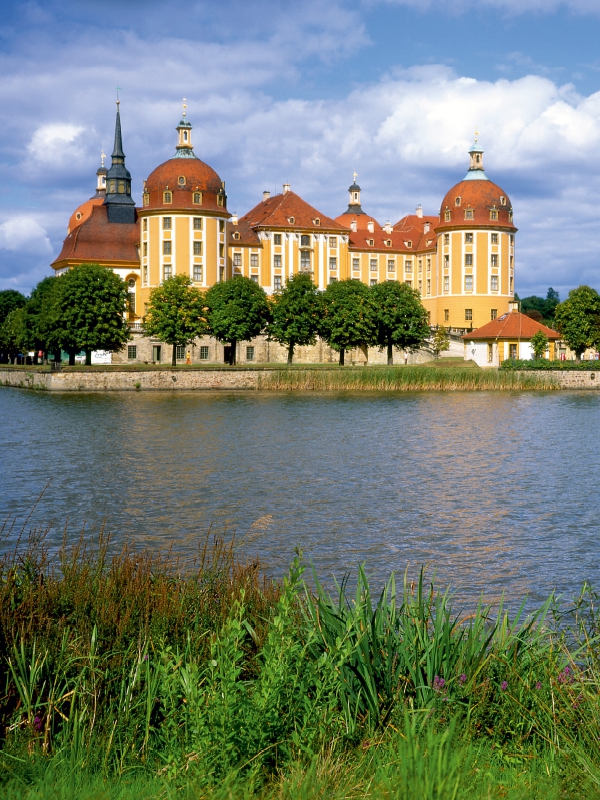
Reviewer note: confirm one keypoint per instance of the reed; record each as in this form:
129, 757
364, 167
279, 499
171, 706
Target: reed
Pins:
411, 378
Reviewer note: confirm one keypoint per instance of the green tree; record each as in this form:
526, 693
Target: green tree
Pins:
10, 299
540, 308
400, 317
13, 334
88, 311
539, 344
39, 317
578, 319
441, 341
237, 311
175, 313
296, 311
349, 316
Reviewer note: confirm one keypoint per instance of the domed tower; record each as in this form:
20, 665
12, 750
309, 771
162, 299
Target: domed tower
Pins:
475, 250
183, 219
354, 217
120, 205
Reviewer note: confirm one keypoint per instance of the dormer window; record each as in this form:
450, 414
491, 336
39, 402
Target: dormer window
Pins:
457, 201
167, 197
503, 201
447, 216
388, 243
220, 199
316, 221
371, 242
292, 220
408, 244
146, 199
510, 216
198, 198
426, 228
181, 180
469, 214
494, 214
236, 235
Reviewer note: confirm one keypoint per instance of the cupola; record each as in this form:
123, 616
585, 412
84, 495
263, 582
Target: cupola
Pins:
184, 147
354, 206
476, 172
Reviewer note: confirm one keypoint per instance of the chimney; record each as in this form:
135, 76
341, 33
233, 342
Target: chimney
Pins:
286, 188
419, 211
266, 196
388, 227
353, 226
234, 219
371, 226
426, 227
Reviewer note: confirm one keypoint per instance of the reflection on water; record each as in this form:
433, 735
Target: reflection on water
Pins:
494, 490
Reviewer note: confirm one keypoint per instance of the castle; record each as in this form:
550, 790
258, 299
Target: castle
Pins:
461, 261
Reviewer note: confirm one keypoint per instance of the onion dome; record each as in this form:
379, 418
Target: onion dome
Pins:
476, 201
185, 182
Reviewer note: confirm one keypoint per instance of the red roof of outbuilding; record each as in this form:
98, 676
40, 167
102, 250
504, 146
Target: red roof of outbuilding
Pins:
513, 325
277, 211
98, 240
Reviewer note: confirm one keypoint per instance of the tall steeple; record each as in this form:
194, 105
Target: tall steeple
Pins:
120, 204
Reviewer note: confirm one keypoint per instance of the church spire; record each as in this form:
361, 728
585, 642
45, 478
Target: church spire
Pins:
120, 204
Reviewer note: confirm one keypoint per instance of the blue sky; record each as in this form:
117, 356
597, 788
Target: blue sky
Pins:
306, 92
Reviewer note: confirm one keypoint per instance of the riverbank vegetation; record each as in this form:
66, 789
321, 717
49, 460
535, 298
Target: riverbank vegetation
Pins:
544, 364
137, 675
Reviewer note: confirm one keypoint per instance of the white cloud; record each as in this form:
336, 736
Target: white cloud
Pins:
26, 236
510, 6
57, 144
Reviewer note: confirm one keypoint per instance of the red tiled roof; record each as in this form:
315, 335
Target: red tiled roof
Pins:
96, 239
247, 235
513, 325
199, 177
408, 229
277, 211
362, 220
82, 212
480, 196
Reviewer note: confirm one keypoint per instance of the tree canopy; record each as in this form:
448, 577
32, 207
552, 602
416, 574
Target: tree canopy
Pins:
296, 311
540, 308
237, 311
10, 299
13, 333
539, 344
88, 311
441, 341
400, 317
578, 319
175, 313
349, 316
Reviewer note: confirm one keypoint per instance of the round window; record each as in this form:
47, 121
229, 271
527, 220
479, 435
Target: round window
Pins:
181, 181
78, 215
131, 283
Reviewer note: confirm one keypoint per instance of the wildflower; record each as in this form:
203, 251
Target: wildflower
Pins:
538, 686
462, 679
38, 723
504, 686
438, 683
565, 676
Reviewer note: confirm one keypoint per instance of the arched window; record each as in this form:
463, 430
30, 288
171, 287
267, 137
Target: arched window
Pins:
198, 198
305, 241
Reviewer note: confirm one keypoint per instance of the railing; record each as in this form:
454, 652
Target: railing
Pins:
137, 327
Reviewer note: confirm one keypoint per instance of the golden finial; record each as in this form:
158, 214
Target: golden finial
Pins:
476, 135
102, 157
184, 107
355, 176
119, 89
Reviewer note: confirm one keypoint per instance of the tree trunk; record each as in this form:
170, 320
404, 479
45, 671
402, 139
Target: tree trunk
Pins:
233, 352
290, 354
342, 355
174, 356
390, 354
71, 358
88, 358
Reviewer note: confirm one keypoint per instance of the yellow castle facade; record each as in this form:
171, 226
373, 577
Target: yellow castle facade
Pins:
461, 260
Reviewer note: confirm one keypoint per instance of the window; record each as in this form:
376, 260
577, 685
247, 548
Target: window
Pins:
254, 278
420, 287
457, 201
408, 283
167, 197
469, 260
428, 265
446, 284
277, 238
512, 350
221, 251
203, 353
511, 285
356, 263
503, 201
494, 238
420, 265
373, 282
391, 265
250, 353
446, 238
277, 261
428, 286
512, 239
494, 214
132, 352
468, 238
317, 221
446, 262
493, 313
198, 198
197, 223
166, 223
131, 298
220, 200
145, 224
180, 352
494, 261
146, 199
333, 241
167, 271
167, 247
197, 273
408, 266
305, 260
333, 279
468, 314
254, 259
181, 180
277, 283
197, 248
305, 241
291, 220
333, 263
145, 274
510, 216
237, 259
447, 216
388, 242
468, 283
236, 235
373, 264
490, 353
221, 226
145, 248
469, 214
408, 244
371, 242
446, 315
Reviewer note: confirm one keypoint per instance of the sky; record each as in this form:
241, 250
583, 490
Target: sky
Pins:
306, 92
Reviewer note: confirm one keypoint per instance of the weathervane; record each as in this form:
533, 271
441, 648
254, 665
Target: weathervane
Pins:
476, 135
184, 107
102, 157
355, 176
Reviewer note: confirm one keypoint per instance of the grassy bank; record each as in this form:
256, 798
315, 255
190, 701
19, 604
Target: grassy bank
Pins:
404, 378
138, 676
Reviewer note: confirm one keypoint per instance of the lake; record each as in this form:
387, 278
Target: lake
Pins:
494, 490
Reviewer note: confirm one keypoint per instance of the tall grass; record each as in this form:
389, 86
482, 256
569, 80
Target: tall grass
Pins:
413, 378
130, 675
